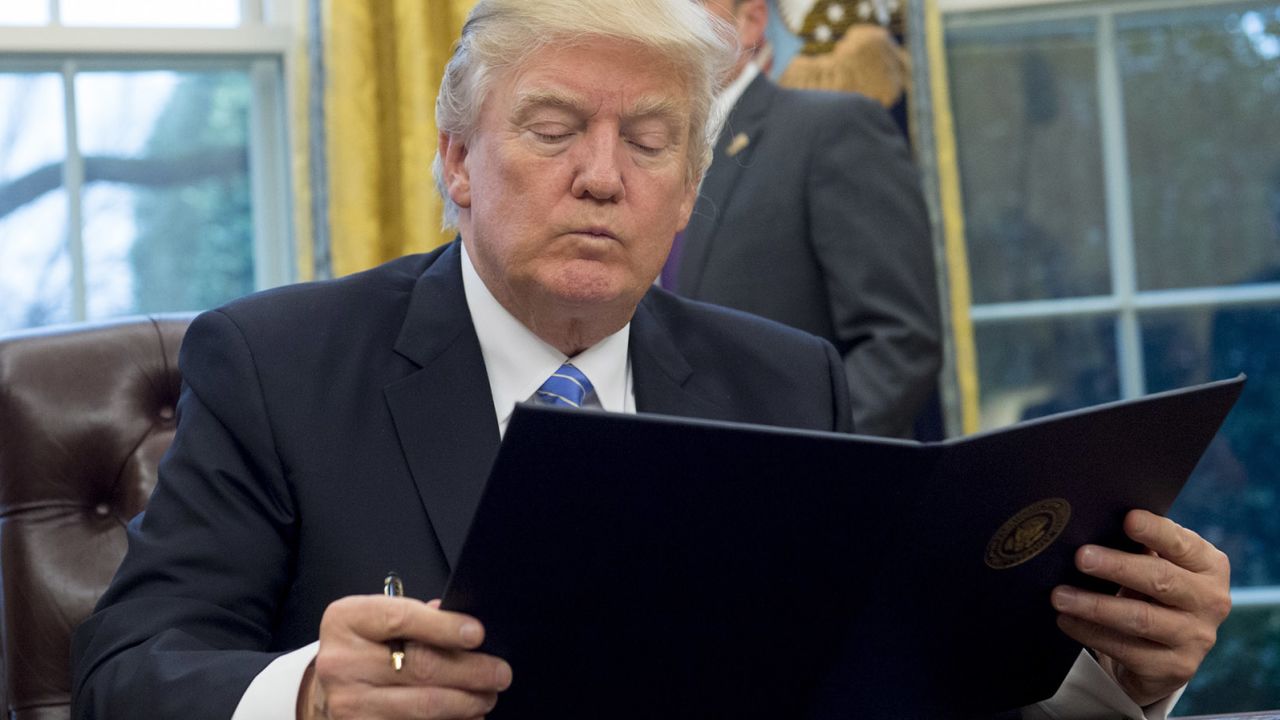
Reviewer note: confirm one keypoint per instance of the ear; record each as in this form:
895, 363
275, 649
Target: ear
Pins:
751, 18
457, 179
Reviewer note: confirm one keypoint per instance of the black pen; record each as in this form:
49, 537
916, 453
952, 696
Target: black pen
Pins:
393, 587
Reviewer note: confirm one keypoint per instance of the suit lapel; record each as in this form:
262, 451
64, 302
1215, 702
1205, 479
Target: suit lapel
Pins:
664, 381
443, 413
745, 124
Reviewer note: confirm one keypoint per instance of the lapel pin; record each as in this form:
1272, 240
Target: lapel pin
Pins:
737, 144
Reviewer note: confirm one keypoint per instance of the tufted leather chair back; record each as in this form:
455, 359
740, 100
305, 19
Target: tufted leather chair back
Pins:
86, 412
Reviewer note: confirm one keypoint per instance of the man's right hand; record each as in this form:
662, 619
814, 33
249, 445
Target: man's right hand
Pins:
443, 677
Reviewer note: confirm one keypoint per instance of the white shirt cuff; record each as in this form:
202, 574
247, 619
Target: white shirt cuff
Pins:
1089, 693
273, 694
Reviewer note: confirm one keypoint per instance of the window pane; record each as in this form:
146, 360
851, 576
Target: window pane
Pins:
1028, 138
1234, 496
24, 12
1202, 89
1024, 373
1240, 674
149, 13
167, 215
35, 270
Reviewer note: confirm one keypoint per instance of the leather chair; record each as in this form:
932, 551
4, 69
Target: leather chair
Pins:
86, 412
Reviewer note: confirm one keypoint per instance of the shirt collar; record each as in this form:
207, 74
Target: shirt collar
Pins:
733, 92
518, 362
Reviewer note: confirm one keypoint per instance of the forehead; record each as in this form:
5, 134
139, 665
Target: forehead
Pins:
598, 72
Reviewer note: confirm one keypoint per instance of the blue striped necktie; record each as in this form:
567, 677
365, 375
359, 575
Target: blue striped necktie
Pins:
567, 387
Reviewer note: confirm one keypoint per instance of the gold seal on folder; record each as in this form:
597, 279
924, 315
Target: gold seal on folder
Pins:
1028, 533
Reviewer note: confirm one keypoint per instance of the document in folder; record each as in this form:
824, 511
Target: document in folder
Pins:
640, 566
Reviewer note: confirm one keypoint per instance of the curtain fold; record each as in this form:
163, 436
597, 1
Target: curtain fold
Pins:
381, 64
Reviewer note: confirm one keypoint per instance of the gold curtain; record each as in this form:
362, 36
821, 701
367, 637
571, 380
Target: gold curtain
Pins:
382, 65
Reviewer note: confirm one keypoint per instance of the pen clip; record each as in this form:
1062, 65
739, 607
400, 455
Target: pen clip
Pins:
392, 586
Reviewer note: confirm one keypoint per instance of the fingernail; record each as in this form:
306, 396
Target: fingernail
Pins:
470, 633
503, 676
1138, 522
1088, 558
1063, 598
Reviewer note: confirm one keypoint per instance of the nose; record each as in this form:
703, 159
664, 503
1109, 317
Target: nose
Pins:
598, 167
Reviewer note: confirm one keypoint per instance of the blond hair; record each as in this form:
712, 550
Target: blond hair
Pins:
502, 34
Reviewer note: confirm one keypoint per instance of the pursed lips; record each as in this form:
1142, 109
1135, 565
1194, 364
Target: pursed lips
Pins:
597, 231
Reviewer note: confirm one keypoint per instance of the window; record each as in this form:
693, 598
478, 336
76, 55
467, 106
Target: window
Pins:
142, 157
1120, 168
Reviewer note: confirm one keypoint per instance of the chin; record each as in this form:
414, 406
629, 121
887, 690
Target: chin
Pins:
592, 285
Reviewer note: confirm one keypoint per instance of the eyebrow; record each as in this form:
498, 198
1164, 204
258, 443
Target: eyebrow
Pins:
538, 99
662, 109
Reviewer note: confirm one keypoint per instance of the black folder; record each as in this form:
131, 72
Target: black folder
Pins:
643, 566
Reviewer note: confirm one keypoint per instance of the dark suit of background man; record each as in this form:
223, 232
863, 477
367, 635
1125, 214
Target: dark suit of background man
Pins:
811, 214
329, 431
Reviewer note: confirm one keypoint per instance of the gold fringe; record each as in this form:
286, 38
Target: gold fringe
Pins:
865, 60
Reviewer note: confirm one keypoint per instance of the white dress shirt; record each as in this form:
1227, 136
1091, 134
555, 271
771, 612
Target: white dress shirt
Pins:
730, 95
518, 362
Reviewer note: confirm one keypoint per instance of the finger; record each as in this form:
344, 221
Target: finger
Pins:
1157, 667
409, 702
458, 669
1175, 543
378, 619
1148, 575
1136, 619
1123, 648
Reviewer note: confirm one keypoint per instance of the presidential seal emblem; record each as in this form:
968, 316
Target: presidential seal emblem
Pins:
1028, 533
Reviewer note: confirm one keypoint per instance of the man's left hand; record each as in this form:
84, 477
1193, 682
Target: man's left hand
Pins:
1152, 636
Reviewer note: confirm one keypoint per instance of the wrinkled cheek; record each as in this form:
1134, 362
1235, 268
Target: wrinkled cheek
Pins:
662, 246
526, 176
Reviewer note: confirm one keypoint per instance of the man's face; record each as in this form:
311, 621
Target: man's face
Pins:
576, 180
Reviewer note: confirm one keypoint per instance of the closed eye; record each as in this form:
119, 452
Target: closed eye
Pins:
646, 149
550, 137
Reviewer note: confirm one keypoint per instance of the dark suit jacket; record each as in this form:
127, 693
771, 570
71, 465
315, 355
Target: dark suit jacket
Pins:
818, 223
329, 432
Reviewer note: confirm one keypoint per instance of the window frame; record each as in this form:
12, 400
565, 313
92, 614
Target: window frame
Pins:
263, 45
939, 161
1126, 302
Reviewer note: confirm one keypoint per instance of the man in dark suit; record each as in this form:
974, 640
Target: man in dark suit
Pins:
330, 431
811, 215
